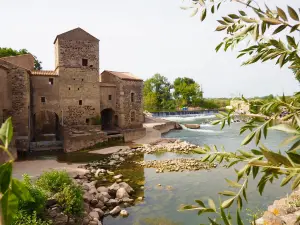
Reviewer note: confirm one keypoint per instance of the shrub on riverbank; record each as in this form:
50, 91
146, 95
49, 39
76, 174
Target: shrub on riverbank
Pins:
71, 200
39, 196
23, 218
54, 181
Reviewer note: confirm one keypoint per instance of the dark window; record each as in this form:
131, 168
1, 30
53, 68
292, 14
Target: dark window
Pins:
87, 121
78, 89
81, 79
43, 99
80, 102
51, 81
132, 116
69, 88
84, 62
132, 97
109, 97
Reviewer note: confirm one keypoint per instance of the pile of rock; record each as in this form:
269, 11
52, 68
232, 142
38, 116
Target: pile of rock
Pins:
56, 215
176, 165
177, 147
283, 211
99, 200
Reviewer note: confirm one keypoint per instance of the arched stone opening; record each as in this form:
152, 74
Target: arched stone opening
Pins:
116, 121
107, 117
45, 127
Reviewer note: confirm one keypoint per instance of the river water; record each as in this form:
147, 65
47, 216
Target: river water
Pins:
161, 203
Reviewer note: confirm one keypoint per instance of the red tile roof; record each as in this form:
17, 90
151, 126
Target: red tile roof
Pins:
43, 73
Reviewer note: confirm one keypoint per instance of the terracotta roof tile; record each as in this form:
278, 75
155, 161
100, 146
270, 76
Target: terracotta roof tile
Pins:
43, 73
124, 75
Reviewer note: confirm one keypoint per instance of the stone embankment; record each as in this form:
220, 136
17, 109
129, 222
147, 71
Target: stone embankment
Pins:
284, 211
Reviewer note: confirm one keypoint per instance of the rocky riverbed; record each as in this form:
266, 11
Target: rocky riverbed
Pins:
169, 145
176, 165
100, 198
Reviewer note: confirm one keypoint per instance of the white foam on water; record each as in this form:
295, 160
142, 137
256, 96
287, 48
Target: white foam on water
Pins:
188, 118
201, 130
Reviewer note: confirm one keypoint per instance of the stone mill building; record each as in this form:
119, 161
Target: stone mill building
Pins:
73, 106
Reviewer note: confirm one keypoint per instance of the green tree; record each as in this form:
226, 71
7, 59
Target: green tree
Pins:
269, 34
187, 92
4, 52
157, 94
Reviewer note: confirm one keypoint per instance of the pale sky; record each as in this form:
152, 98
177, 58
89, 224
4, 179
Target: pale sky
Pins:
144, 37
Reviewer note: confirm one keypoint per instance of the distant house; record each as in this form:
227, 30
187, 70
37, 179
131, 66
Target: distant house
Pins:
240, 106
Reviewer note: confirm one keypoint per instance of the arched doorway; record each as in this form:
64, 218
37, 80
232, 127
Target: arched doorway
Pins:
45, 126
116, 121
107, 116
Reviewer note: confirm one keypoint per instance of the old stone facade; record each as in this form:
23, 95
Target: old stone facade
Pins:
45, 103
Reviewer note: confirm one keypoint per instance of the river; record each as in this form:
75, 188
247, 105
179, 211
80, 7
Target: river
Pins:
161, 203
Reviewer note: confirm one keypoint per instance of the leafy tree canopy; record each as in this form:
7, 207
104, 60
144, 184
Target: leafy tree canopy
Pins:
4, 52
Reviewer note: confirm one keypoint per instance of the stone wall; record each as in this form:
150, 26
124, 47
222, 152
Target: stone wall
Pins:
79, 83
79, 86
18, 102
25, 61
133, 134
124, 106
71, 52
82, 137
5, 95
128, 107
107, 90
41, 87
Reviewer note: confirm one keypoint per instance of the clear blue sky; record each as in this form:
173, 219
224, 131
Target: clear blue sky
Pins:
143, 37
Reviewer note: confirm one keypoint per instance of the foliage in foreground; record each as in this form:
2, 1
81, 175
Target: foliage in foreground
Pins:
22, 218
38, 195
12, 191
262, 27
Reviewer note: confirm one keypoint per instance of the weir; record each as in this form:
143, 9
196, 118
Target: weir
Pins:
184, 113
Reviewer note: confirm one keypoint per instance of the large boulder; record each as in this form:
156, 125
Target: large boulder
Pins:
126, 186
112, 190
102, 189
192, 126
115, 211
94, 214
112, 202
87, 197
122, 193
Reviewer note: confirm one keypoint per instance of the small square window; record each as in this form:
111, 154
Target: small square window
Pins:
78, 89
69, 88
84, 62
43, 99
87, 121
80, 102
81, 79
109, 97
132, 97
51, 81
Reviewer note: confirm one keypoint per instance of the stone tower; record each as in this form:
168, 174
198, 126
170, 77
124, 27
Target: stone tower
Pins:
77, 63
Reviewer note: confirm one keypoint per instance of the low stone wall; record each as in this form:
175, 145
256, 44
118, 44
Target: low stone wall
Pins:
167, 126
133, 134
82, 137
